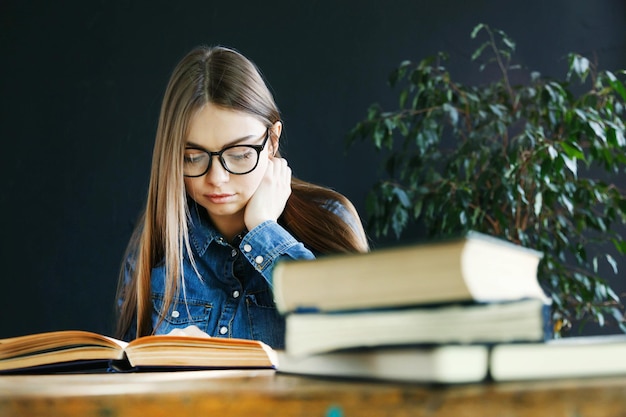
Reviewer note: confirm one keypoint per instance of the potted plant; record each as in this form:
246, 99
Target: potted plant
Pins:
533, 161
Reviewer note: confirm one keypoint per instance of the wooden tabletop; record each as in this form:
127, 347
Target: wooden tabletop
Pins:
264, 393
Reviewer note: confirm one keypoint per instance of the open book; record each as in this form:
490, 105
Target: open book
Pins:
76, 349
476, 267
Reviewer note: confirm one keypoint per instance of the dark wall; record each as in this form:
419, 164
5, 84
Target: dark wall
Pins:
80, 89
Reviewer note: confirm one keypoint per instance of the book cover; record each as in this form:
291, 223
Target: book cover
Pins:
450, 364
572, 357
514, 321
476, 268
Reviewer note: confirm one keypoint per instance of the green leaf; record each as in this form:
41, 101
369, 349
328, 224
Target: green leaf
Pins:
568, 204
402, 197
477, 29
404, 94
399, 220
573, 151
571, 164
620, 139
538, 203
613, 295
452, 113
389, 124
373, 111
620, 245
612, 262
598, 130
508, 42
417, 208
616, 84
378, 137
600, 318
553, 152
404, 129
581, 66
479, 51
498, 110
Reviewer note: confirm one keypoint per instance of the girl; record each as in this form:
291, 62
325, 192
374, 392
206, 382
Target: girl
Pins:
222, 209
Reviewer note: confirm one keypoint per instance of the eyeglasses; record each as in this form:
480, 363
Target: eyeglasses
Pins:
237, 159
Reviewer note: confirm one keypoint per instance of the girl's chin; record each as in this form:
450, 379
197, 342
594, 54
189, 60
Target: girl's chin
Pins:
224, 210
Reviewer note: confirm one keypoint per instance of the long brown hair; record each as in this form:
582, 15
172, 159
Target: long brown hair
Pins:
226, 78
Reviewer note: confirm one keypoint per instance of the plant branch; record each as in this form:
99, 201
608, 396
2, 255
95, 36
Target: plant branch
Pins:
503, 69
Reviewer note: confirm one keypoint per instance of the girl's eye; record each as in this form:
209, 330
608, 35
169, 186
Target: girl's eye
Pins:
194, 158
238, 154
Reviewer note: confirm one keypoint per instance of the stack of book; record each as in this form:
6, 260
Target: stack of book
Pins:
453, 311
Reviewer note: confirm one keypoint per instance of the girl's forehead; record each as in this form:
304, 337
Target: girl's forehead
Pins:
213, 126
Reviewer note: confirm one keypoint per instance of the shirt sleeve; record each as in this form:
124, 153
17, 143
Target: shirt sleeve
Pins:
269, 243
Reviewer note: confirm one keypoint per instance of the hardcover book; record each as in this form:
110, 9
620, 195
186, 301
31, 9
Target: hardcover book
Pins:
476, 267
514, 321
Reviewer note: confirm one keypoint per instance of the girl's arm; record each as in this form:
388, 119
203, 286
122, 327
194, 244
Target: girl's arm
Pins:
268, 243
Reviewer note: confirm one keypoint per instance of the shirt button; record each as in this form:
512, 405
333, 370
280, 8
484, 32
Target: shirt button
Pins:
235, 294
234, 253
175, 314
258, 259
223, 330
247, 248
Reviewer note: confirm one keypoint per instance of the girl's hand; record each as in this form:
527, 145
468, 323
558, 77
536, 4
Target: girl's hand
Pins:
192, 330
269, 200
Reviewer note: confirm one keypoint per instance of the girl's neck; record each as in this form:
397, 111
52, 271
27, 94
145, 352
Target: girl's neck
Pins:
229, 226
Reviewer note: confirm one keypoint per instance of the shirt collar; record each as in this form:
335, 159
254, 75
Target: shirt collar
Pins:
202, 232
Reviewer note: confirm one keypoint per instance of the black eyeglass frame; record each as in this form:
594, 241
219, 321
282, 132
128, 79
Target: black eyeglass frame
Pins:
257, 148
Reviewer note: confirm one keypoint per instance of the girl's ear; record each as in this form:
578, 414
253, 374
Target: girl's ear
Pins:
275, 131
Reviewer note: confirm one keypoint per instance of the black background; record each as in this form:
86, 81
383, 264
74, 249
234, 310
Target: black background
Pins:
81, 84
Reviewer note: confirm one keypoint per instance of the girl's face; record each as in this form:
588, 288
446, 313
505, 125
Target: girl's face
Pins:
224, 195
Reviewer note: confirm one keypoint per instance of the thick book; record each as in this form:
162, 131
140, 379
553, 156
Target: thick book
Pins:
476, 267
79, 350
513, 321
576, 357
450, 364
572, 357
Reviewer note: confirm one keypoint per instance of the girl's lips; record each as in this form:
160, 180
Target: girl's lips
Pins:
219, 198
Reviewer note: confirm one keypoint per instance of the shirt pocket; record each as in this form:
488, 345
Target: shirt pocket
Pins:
182, 312
266, 323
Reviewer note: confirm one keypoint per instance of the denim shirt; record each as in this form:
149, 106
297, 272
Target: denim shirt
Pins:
232, 294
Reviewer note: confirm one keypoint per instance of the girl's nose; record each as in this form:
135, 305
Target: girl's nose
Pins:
217, 174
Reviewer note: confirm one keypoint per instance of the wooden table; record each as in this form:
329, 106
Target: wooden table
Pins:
264, 393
